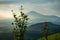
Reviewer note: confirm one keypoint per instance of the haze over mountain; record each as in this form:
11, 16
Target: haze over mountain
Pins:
5, 25
35, 30
36, 17
38, 27
47, 7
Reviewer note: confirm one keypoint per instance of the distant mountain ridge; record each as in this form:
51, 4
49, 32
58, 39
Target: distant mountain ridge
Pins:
34, 13
36, 17
38, 26
34, 30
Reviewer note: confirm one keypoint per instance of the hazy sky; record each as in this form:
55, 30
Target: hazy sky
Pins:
46, 7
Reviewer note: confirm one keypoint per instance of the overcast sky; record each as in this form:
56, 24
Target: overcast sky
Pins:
46, 7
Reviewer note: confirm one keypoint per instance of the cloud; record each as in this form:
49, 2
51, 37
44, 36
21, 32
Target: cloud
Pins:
5, 15
46, 7
6, 2
27, 1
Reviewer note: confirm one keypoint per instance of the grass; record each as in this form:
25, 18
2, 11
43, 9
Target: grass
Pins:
52, 37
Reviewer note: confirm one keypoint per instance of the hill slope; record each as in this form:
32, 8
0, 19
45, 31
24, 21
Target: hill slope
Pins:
52, 37
36, 17
53, 28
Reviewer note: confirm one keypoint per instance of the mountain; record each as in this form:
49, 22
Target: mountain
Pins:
36, 17
53, 28
5, 25
34, 31
36, 22
34, 13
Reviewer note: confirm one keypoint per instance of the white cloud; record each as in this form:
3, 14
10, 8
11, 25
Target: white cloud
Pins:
46, 9
2, 0
5, 9
5, 15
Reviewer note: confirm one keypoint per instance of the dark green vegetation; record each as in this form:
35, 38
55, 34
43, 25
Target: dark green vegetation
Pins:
52, 37
20, 24
34, 32
45, 30
37, 33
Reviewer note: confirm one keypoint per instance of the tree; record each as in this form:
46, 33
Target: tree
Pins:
20, 23
45, 30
